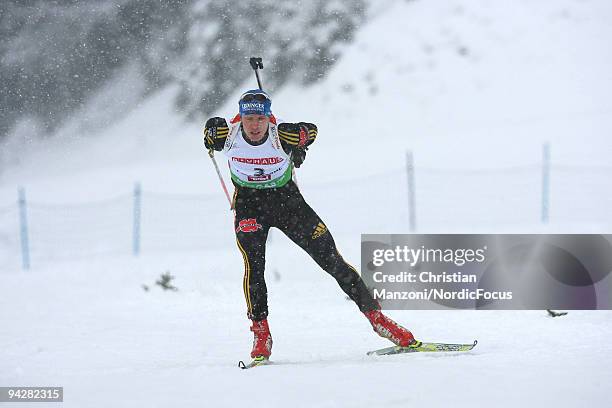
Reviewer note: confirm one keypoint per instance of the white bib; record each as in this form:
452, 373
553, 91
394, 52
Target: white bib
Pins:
262, 166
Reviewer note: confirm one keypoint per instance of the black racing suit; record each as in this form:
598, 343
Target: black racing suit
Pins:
284, 208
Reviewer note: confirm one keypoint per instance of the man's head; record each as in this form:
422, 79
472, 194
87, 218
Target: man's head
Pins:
255, 110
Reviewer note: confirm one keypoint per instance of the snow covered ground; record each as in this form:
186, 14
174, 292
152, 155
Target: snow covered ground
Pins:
90, 327
472, 88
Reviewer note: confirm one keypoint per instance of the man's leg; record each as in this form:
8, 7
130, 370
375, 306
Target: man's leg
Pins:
304, 227
251, 235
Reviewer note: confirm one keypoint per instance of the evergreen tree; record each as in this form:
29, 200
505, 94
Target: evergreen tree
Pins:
298, 41
55, 54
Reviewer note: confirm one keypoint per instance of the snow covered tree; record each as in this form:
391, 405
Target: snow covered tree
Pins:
298, 40
56, 54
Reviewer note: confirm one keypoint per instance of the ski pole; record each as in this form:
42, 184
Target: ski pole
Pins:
257, 64
211, 154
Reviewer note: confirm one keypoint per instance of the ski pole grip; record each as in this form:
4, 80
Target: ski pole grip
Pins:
256, 63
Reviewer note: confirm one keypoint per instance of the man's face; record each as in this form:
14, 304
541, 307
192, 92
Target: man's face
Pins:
255, 126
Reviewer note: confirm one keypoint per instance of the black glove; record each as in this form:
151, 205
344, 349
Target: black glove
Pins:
300, 134
215, 133
298, 155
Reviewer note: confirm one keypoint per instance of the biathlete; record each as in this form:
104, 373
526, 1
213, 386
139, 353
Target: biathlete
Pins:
262, 152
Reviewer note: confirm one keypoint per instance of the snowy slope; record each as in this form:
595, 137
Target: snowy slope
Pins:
473, 88
90, 328
109, 343
464, 85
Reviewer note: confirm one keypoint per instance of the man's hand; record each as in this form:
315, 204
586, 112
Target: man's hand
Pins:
298, 155
295, 139
215, 133
300, 134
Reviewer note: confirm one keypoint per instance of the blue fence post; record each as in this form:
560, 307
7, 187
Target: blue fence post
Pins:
545, 182
23, 230
411, 192
136, 219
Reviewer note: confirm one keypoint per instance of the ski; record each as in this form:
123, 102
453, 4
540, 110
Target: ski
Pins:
257, 361
421, 347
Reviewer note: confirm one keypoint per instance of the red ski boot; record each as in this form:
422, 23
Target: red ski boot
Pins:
388, 329
262, 343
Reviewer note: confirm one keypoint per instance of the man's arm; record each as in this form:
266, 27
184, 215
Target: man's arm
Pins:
295, 139
215, 133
